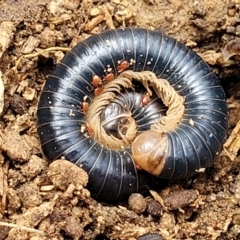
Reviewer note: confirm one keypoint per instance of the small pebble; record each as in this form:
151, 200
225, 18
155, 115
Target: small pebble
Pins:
151, 236
137, 203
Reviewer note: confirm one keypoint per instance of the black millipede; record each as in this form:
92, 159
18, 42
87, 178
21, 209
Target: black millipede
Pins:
88, 68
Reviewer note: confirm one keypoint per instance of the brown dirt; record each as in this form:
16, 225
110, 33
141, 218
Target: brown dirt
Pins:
42, 202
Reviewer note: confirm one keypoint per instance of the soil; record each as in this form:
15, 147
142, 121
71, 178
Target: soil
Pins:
42, 201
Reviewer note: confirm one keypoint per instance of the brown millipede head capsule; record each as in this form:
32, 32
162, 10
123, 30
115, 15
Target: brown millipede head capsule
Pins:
96, 80
149, 150
123, 65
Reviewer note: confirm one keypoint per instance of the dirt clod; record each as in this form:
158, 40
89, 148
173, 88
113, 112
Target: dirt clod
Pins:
29, 195
14, 146
34, 166
18, 104
154, 208
180, 199
73, 227
63, 173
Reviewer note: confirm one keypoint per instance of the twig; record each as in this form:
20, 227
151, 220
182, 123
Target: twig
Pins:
29, 229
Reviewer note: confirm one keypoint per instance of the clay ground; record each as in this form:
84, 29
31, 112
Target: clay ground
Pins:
35, 202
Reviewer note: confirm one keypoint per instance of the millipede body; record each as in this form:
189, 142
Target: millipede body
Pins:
89, 70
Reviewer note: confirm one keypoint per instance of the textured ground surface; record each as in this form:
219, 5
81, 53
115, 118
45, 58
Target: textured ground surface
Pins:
42, 202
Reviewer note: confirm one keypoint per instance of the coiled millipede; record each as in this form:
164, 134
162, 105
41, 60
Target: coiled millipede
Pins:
101, 109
